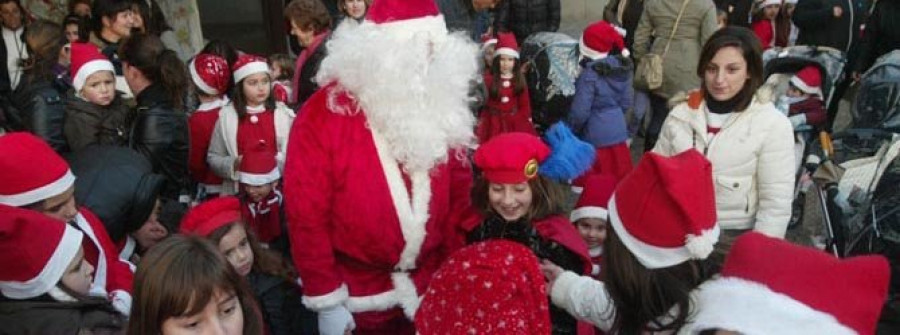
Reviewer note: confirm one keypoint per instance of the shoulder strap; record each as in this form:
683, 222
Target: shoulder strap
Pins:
675, 27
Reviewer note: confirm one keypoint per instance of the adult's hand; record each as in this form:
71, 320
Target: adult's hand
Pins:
838, 11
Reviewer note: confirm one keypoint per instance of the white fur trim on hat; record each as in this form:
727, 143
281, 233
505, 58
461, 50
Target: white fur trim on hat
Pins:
88, 69
506, 52
766, 3
489, 42
32, 196
654, 257
199, 81
406, 29
588, 52
589, 212
750, 308
52, 272
255, 179
250, 68
800, 85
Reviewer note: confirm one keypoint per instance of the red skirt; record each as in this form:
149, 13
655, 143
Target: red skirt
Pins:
491, 124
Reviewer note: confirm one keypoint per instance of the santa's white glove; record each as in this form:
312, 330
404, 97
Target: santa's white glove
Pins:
121, 301
335, 321
798, 120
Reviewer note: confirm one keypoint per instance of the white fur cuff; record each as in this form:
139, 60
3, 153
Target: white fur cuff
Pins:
321, 302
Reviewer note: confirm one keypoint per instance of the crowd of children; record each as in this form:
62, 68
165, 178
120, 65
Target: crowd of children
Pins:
632, 256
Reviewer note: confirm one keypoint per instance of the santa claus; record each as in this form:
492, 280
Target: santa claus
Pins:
376, 181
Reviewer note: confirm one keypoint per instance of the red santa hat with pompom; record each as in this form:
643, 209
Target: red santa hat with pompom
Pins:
21, 183
407, 18
210, 215
86, 60
594, 200
248, 64
808, 80
488, 40
599, 38
210, 73
507, 45
664, 212
35, 251
259, 168
770, 286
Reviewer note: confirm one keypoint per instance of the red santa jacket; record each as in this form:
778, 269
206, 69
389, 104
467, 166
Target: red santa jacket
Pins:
357, 238
112, 277
813, 108
201, 123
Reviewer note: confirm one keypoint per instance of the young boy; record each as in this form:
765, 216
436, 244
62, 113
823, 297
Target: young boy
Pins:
804, 97
282, 67
261, 201
211, 77
590, 216
50, 190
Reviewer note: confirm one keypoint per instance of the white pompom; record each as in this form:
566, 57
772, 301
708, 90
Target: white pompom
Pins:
701, 246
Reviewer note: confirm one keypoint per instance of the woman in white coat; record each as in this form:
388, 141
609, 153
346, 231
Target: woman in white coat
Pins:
733, 122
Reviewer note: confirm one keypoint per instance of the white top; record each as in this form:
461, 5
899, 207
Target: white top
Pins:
15, 50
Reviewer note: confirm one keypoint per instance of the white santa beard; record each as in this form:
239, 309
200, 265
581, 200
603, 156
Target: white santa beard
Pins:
418, 104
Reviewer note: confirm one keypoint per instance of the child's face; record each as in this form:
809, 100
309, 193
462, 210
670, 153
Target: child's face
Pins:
722, 20
152, 231
354, 8
79, 274
99, 88
71, 33
276, 70
793, 92
258, 193
236, 247
256, 88
592, 230
488, 54
221, 315
771, 11
507, 64
510, 201
789, 9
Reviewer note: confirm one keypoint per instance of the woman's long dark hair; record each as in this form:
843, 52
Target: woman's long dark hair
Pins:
160, 65
518, 79
744, 40
641, 296
44, 39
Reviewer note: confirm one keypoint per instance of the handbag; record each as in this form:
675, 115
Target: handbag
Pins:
648, 75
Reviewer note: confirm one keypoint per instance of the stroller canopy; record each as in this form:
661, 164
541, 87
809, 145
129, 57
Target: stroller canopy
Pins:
877, 104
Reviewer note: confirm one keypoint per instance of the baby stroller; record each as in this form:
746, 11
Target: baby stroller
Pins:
877, 104
551, 67
780, 65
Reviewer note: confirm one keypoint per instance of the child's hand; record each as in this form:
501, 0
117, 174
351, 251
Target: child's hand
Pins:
237, 163
551, 271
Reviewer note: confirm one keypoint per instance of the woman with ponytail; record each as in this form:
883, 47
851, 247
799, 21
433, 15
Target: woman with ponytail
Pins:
159, 82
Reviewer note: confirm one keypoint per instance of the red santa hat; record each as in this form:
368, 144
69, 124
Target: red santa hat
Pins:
769, 286
35, 251
808, 80
407, 18
594, 201
259, 168
507, 46
511, 158
488, 40
210, 73
210, 215
248, 64
664, 212
485, 288
767, 3
21, 183
86, 60
599, 39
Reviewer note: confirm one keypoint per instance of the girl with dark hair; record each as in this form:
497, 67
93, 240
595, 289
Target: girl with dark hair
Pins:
76, 28
664, 227
80, 8
252, 122
185, 284
40, 98
159, 81
46, 280
523, 204
273, 282
765, 23
733, 122
508, 107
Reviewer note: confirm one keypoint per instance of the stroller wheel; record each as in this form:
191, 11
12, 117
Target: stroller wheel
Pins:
797, 211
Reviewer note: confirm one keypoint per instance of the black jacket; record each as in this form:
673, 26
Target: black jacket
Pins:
87, 123
630, 18
307, 84
525, 17
118, 185
40, 108
882, 34
160, 133
819, 27
95, 316
279, 301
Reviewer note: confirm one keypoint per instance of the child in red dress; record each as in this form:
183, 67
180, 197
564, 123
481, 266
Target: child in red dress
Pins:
508, 108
